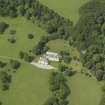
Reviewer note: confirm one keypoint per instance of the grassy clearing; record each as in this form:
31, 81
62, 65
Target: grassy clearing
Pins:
68, 8
84, 90
62, 45
29, 84
29, 87
23, 27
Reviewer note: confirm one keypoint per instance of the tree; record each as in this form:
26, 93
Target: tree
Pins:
59, 89
21, 54
21, 10
2, 64
30, 36
12, 32
63, 92
65, 56
55, 80
15, 64
12, 39
62, 68
3, 26
28, 15
99, 75
6, 80
13, 13
51, 101
40, 48
28, 57
1, 103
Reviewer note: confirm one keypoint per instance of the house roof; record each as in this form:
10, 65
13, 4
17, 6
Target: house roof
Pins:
52, 53
43, 59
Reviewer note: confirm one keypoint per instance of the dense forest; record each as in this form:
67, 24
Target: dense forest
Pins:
51, 21
89, 36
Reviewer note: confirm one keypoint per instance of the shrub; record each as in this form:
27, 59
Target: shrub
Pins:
30, 36
3, 26
12, 32
2, 64
65, 56
21, 54
28, 58
99, 75
15, 64
6, 80
12, 39
0, 103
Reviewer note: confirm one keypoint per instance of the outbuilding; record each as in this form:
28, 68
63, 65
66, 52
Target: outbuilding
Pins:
43, 61
52, 56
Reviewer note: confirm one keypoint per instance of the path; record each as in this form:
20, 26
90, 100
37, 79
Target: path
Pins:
13, 58
47, 67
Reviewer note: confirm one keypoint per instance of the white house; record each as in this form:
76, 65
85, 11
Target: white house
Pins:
52, 56
43, 61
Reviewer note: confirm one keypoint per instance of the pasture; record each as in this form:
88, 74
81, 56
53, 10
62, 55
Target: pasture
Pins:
84, 90
23, 27
29, 84
29, 87
66, 8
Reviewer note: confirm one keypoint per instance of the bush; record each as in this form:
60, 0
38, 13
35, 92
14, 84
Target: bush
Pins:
62, 68
12, 32
28, 58
56, 80
21, 54
68, 72
0, 103
65, 56
5, 87
15, 64
51, 101
99, 75
3, 26
60, 90
6, 80
12, 39
30, 36
2, 64
12, 13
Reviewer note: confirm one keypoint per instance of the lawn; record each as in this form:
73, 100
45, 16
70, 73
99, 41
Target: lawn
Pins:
29, 87
84, 90
66, 8
23, 27
29, 84
62, 45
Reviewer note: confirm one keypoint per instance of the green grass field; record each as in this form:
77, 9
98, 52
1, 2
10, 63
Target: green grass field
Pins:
84, 90
30, 84
29, 87
66, 8
23, 27
62, 45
